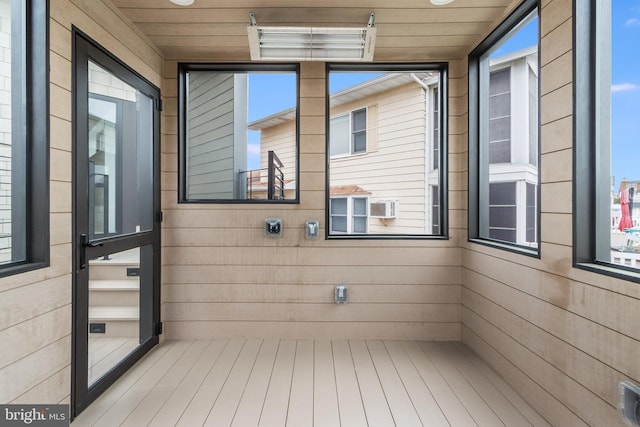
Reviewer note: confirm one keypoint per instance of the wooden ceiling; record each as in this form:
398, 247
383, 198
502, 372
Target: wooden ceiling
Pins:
408, 30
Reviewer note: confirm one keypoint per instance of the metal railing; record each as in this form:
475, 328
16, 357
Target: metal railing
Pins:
275, 179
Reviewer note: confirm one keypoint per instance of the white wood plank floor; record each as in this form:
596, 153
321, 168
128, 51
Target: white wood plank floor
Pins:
105, 353
250, 382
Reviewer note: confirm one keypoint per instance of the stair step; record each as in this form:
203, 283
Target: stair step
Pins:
102, 285
111, 314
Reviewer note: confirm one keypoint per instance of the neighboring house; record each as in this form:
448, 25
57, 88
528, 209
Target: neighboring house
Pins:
217, 150
383, 154
277, 135
5, 143
513, 154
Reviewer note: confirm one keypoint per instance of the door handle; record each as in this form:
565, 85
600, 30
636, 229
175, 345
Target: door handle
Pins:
82, 257
85, 243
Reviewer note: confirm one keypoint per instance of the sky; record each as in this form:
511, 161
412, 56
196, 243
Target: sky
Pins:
625, 91
270, 93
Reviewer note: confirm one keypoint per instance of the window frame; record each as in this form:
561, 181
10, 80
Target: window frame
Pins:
591, 143
32, 128
349, 215
478, 215
443, 69
244, 68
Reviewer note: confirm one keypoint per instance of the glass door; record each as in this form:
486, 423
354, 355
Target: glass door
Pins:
116, 212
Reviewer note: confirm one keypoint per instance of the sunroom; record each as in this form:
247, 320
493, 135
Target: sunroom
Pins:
345, 213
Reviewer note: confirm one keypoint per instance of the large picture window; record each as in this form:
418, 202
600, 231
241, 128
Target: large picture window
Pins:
386, 150
503, 134
24, 198
238, 133
606, 108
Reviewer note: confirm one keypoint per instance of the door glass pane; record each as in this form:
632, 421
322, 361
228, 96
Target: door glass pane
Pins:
114, 308
120, 151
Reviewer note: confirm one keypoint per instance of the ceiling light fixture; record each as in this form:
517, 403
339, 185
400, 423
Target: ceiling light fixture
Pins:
441, 2
311, 43
182, 2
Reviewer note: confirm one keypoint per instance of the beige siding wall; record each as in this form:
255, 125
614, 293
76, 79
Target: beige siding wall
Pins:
222, 277
35, 307
563, 337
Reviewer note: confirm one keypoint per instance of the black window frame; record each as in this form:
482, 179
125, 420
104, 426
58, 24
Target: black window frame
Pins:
183, 69
477, 215
591, 143
30, 127
443, 69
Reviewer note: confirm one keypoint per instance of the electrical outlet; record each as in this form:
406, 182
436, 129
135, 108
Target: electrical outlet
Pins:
273, 227
341, 294
629, 402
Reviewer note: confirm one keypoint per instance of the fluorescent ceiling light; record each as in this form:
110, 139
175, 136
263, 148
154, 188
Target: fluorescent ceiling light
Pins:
311, 43
441, 2
182, 2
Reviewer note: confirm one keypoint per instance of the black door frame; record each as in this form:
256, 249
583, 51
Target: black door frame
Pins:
85, 49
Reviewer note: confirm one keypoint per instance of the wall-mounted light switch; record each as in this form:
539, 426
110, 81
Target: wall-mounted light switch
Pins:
312, 229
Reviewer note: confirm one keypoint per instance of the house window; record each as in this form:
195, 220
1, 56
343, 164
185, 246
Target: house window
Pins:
396, 114
435, 209
500, 116
503, 134
349, 133
24, 121
606, 108
238, 133
435, 123
349, 215
502, 211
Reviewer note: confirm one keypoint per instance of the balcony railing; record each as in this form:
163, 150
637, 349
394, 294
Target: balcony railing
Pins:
275, 180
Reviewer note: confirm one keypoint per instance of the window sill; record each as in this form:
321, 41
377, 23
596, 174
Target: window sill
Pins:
13, 269
347, 156
610, 270
385, 237
522, 250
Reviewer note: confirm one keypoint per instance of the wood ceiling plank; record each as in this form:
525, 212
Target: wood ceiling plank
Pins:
304, 16
232, 4
237, 29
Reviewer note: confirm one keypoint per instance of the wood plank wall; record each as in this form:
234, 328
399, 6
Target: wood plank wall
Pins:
223, 278
35, 307
562, 337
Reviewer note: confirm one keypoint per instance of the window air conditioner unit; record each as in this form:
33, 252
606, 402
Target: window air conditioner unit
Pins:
383, 209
